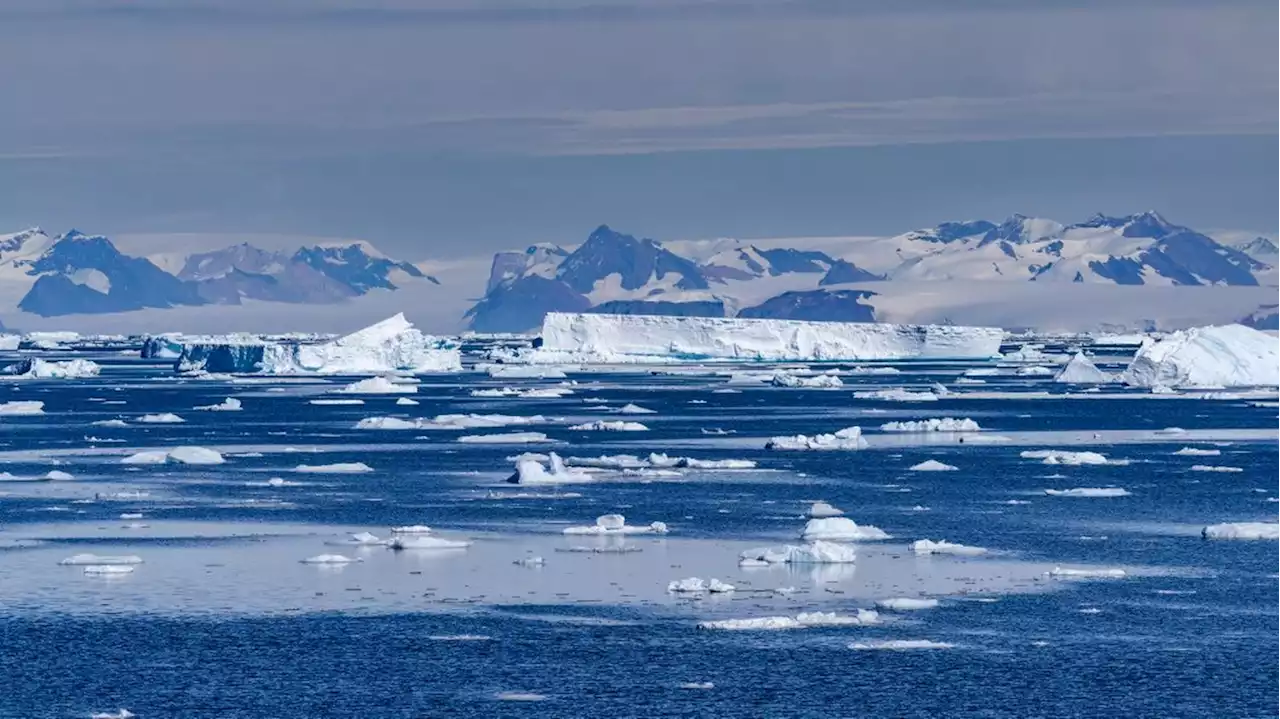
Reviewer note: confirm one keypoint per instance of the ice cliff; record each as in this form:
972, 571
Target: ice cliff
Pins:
1223, 356
573, 337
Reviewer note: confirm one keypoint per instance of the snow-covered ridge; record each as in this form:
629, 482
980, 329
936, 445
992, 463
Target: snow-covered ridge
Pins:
577, 337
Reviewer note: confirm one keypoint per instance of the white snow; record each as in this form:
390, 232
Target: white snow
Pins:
195, 455
863, 617
100, 560
337, 468
110, 423
392, 345
906, 604
932, 465
1033, 371
1198, 452
1209, 357
925, 547
329, 559
604, 426
1070, 573
840, 528
933, 424
630, 338
531, 471
230, 404
505, 438
849, 438
818, 552
617, 524
820, 510
1081, 370
378, 385
21, 407
1213, 468
161, 418
1088, 492
1242, 530
1062, 456
899, 645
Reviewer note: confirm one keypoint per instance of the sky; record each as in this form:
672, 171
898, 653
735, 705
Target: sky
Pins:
449, 128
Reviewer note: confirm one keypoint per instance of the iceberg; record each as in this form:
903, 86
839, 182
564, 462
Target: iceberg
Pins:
392, 345
36, 368
531, 471
849, 438
450, 422
933, 424
817, 552
406, 402
161, 418
1210, 357
1242, 530
1198, 452
820, 510
840, 528
578, 337
932, 465
21, 407
147, 457
195, 455
822, 381
378, 385
338, 468
1088, 492
230, 404
58, 475
1081, 370
609, 524
603, 426
906, 604
863, 617
925, 547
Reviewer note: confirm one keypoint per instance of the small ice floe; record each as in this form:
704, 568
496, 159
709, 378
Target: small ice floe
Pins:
822, 510
131, 515
21, 407
1215, 468
460, 638
1088, 573
195, 455
849, 438
660, 460
617, 524
906, 604
426, 541
822, 381
865, 369
81, 560
1242, 530
336, 468
449, 422
56, 474
282, 482
925, 547
378, 385
818, 552
1033, 371
840, 528
505, 438
896, 394
412, 529
603, 426
932, 465
520, 697
696, 686
1062, 456
933, 424
330, 559
530, 393
367, 539
1088, 492
695, 585
862, 618
114, 569
634, 409
530, 471
509, 371
230, 404
161, 418
899, 645
326, 402
406, 402
1198, 452
530, 562
1171, 430
117, 423
119, 714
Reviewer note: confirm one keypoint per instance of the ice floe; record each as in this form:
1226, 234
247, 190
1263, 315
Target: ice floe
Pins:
119, 714
1215, 468
336, 468
818, 552
230, 404
899, 645
379, 385
820, 510
1062, 456
932, 465
1088, 573
849, 438
842, 529
609, 524
863, 617
1198, 452
160, 418
925, 547
325, 402
896, 394
906, 604
1088, 492
528, 393
406, 402
530, 471
80, 560
509, 371
426, 541
605, 426
933, 424
695, 585
822, 381
1211, 357
36, 368
330, 559
449, 422
56, 474
109, 569
195, 455
21, 407
505, 438
634, 409
1242, 530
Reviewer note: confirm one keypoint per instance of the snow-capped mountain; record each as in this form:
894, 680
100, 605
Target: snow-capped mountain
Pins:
77, 273
614, 272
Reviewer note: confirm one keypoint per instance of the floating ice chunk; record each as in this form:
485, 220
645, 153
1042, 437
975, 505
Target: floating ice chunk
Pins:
161, 418
230, 404
336, 468
21, 407
388, 423
1213, 468
1212, 357
110, 423
906, 604
863, 617
530, 393
412, 529
195, 455
981, 372
392, 345
697, 685
1062, 456
1034, 371
932, 465
131, 515
378, 385
820, 510
617, 524
1098, 573
121, 714
1088, 492
840, 528
530, 562
58, 475
36, 368
874, 370
896, 394
925, 547
616, 461
933, 424
1081, 370
1242, 530
849, 438
531, 471
506, 438
329, 559
817, 552
520, 697
155, 456
426, 541
335, 402
603, 426
406, 402
1198, 452
695, 585
108, 569
634, 409
822, 381
662, 460
367, 539
525, 372
899, 645
100, 560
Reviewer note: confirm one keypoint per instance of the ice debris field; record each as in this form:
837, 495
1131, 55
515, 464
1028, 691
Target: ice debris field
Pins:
776, 514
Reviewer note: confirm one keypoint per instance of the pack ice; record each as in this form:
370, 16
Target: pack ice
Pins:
392, 345
574, 337
1223, 356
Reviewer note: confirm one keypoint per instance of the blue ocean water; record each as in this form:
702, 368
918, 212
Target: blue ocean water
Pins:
1190, 632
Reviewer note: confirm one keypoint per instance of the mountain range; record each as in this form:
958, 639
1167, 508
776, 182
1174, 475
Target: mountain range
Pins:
807, 278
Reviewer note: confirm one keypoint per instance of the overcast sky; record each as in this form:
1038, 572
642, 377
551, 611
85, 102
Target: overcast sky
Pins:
439, 128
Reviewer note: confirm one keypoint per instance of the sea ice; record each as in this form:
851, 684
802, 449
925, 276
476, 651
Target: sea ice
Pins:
932, 465
1088, 492
906, 604
605, 426
195, 455
1033, 371
411, 529
524, 372
1062, 456
899, 645
505, 438
21, 407
114, 569
110, 423
817, 552
378, 385
337, 468
58, 475
634, 409
840, 528
819, 510
36, 368
1213, 468
329, 559
617, 524
406, 402
425, 541
695, 585
1242, 530
531, 471
100, 560
1211, 357
1102, 573
849, 438
863, 617
392, 345
896, 394
161, 418
925, 547
335, 402
121, 714
159, 456
933, 424
230, 404
822, 381
1198, 452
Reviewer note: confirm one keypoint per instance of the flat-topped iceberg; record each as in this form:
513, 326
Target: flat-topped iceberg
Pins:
1224, 356
392, 345
575, 337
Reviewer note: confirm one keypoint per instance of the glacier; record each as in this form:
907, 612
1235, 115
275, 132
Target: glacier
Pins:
1215, 356
602, 338
392, 345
